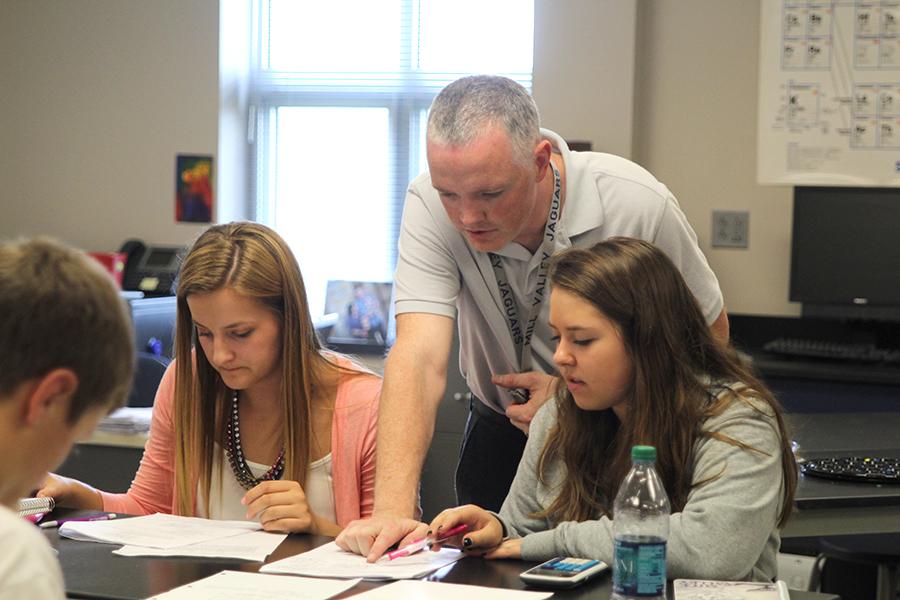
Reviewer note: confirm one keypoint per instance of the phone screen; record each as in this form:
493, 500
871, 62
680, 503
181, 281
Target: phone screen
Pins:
564, 567
160, 258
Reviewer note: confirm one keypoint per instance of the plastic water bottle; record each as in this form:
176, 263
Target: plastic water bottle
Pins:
641, 528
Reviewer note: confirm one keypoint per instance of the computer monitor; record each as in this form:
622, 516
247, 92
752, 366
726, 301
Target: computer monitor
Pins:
845, 252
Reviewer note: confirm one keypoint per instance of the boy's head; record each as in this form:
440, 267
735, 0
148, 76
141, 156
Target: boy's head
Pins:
66, 356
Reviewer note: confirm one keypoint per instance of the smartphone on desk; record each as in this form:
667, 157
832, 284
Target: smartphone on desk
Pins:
563, 572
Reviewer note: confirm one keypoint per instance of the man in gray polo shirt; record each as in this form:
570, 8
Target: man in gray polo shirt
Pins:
501, 197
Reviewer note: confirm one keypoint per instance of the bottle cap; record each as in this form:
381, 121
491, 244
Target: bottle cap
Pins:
643, 453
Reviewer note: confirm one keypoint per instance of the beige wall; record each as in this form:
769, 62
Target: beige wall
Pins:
695, 129
584, 70
97, 97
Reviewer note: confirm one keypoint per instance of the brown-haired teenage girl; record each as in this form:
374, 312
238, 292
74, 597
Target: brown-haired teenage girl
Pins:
638, 365
254, 419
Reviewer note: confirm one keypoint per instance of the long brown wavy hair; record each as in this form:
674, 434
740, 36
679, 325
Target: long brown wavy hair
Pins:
675, 358
255, 262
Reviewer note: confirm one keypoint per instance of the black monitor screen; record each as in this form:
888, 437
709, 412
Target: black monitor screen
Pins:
846, 246
159, 257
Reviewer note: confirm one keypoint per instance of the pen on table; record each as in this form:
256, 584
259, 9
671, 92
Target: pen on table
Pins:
58, 522
425, 542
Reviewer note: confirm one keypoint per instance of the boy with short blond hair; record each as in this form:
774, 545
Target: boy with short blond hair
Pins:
66, 360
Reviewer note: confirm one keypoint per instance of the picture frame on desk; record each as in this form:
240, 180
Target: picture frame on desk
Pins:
361, 316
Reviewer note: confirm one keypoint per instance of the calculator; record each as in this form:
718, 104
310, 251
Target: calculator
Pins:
563, 572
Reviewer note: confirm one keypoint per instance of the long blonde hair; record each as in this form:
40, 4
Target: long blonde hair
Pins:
255, 262
675, 357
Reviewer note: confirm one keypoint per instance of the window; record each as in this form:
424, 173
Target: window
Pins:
340, 92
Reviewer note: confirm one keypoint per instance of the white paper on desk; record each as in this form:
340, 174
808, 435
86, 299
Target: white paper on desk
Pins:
435, 590
237, 585
127, 419
253, 545
330, 561
155, 531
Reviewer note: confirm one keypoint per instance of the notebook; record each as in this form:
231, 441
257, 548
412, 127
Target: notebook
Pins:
703, 589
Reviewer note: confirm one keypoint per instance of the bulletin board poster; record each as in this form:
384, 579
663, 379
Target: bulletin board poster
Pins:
829, 93
193, 188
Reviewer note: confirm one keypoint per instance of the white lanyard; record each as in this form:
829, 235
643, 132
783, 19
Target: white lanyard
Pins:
521, 335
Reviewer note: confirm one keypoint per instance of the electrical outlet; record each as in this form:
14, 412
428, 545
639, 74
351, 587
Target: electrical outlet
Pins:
730, 228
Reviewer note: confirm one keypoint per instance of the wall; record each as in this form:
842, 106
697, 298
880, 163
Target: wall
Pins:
96, 98
584, 70
99, 96
695, 129
233, 149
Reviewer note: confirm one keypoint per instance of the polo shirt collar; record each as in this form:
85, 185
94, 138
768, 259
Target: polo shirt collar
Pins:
577, 217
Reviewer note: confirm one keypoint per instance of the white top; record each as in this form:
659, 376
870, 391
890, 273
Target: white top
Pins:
227, 504
438, 272
28, 566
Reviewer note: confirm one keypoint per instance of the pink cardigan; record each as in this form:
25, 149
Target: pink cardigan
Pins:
352, 452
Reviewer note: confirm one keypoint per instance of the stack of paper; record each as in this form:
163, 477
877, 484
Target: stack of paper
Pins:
155, 531
253, 586
127, 420
253, 545
434, 590
330, 561
170, 535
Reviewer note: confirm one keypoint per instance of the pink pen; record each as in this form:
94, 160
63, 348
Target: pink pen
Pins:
425, 542
58, 522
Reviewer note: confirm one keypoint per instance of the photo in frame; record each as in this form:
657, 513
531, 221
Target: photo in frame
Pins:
363, 313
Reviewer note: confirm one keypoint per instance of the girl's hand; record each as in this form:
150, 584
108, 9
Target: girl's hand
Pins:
484, 529
70, 492
281, 506
508, 549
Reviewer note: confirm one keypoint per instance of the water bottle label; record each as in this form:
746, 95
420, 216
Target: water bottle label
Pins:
639, 569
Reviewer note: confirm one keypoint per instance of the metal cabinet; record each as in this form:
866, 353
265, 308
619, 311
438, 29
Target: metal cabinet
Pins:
438, 475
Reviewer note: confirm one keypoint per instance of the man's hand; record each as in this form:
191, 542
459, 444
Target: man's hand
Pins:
373, 536
539, 386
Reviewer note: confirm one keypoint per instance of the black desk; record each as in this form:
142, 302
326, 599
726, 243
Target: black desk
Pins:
826, 507
880, 550
805, 384
92, 571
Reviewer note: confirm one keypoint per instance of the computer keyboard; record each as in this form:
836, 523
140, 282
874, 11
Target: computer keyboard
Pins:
867, 353
866, 469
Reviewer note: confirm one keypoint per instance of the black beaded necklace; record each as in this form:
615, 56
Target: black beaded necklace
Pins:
235, 454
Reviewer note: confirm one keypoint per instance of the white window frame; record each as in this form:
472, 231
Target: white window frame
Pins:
407, 94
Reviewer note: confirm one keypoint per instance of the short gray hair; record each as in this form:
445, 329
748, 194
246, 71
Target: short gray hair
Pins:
461, 111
